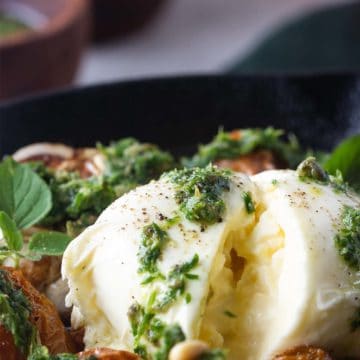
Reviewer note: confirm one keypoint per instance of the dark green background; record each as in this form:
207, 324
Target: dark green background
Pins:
323, 41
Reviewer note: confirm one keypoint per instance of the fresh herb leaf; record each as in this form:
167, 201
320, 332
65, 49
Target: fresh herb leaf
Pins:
346, 158
51, 243
24, 196
11, 233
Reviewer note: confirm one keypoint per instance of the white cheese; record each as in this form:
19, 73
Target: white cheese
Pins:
268, 280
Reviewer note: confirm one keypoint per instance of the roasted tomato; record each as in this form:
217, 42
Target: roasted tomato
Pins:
87, 161
77, 336
43, 316
8, 350
303, 353
108, 354
43, 272
253, 163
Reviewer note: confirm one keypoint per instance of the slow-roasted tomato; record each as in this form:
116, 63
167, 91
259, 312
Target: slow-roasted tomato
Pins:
43, 272
303, 353
253, 163
8, 350
43, 316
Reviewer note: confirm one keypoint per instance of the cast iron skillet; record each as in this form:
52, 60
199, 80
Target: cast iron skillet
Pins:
178, 113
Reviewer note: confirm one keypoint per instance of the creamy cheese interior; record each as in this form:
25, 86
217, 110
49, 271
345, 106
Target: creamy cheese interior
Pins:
282, 283
243, 294
268, 280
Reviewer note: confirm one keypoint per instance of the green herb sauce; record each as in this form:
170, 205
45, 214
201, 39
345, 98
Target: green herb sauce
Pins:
130, 163
224, 146
147, 328
176, 284
42, 353
14, 314
15, 311
199, 192
74, 198
77, 202
10, 25
152, 243
347, 240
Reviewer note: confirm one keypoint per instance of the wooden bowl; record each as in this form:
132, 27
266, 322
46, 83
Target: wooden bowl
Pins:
114, 18
47, 55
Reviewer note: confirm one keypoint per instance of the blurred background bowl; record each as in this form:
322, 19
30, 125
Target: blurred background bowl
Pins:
46, 54
114, 18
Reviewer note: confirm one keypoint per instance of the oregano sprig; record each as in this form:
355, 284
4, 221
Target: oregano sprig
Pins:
25, 199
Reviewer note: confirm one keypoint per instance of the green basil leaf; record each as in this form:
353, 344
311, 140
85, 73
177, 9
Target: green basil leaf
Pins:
50, 243
11, 234
346, 158
24, 196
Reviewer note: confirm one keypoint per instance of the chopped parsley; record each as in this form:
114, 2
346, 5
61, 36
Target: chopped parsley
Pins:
153, 241
171, 335
176, 284
199, 193
14, 314
148, 328
230, 145
347, 240
249, 204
